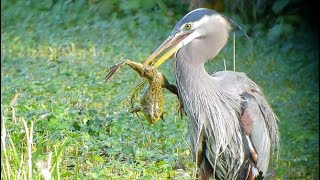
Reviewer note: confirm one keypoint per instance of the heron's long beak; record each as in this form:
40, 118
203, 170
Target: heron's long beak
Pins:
175, 41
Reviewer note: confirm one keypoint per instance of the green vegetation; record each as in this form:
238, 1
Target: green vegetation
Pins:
59, 116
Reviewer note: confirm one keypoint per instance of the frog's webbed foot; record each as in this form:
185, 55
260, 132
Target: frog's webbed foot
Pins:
161, 116
181, 109
111, 70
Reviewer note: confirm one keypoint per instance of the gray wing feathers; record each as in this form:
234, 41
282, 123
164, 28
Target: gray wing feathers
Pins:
264, 127
259, 136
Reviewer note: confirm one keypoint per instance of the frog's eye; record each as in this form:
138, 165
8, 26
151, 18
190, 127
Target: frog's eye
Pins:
187, 26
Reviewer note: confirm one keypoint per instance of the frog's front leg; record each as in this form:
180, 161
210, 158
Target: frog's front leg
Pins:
171, 87
136, 109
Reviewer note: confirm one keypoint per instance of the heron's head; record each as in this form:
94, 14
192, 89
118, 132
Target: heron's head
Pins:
198, 36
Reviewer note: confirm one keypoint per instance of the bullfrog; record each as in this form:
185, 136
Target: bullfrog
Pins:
152, 100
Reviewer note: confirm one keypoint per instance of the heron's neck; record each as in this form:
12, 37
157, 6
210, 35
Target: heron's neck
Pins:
197, 88
208, 104
191, 77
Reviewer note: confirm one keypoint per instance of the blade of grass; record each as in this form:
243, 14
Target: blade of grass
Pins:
57, 156
7, 169
5, 166
39, 147
29, 146
14, 154
234, 51
224, 63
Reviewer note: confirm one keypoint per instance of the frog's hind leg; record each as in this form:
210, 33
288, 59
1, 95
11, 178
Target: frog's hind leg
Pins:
148, 140
138, 67
138, 88
135, 110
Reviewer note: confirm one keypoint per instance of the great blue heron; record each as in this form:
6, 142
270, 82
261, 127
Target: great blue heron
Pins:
233, 128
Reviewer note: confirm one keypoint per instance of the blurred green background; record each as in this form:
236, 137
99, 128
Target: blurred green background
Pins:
54, 56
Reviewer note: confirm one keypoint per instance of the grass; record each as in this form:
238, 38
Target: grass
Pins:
59, 116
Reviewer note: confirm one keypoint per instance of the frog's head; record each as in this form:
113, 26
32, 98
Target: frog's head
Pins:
150, 71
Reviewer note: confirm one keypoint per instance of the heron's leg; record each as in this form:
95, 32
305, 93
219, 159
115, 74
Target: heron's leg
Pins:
138, 67
205, 169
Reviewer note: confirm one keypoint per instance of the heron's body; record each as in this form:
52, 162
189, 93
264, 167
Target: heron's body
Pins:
229, 123
232, 126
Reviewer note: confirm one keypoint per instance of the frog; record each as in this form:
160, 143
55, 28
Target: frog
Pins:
152, 99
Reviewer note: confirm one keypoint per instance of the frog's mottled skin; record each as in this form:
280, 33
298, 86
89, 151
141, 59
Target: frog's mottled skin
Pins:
152, 100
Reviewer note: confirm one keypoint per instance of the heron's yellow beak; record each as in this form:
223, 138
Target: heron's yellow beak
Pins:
174, 41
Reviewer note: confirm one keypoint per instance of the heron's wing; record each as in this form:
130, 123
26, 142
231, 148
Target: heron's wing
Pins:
258, 120
256, 132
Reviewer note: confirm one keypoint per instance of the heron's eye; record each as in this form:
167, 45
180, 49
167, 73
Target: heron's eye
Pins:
187, 26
